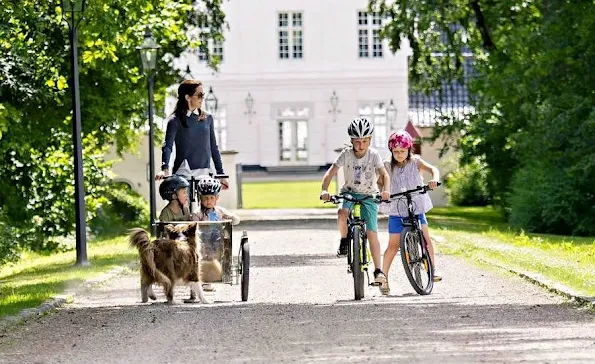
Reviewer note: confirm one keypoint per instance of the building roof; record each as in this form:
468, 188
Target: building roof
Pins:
412, 130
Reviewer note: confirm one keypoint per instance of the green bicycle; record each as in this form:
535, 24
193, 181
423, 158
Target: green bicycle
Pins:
358, 253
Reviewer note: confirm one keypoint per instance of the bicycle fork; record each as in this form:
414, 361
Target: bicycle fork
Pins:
365, 258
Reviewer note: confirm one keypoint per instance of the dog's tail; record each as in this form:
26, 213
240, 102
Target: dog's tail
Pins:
139, 238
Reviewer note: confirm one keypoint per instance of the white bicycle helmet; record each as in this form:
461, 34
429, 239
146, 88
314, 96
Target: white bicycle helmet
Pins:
208, 186
360, 128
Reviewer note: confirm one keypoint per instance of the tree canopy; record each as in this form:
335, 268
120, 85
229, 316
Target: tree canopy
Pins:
532, 90
36, 151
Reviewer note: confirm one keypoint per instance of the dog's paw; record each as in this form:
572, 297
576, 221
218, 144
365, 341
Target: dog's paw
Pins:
151, 293
190, 300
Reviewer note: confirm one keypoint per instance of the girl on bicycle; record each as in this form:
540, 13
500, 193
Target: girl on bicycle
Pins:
405, 173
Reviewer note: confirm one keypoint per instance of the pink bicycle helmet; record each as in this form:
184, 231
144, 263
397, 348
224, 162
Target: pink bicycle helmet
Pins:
401, 139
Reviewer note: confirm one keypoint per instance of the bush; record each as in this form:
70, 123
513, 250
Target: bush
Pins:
9, 248
553, 200
124, 209
467, 185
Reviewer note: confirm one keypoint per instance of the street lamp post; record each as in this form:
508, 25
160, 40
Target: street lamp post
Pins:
391, 114
211, 102
187, 73
72, 13
148, 55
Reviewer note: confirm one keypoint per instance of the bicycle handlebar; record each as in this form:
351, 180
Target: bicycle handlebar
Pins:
347, 196
420, 189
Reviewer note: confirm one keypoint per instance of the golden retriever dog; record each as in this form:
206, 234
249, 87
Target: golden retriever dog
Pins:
167, 261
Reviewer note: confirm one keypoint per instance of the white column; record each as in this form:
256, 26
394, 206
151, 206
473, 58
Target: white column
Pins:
229, 198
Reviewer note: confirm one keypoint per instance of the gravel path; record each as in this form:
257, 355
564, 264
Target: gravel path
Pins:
301, 309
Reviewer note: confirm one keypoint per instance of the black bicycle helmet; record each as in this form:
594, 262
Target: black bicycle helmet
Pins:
208, 186
171, 185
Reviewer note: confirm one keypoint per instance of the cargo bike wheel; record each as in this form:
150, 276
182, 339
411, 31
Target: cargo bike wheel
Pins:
243, 267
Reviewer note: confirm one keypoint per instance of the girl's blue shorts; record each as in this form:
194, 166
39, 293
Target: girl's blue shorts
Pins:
395, 223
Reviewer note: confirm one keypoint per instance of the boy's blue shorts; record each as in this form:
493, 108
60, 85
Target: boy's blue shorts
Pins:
395, 223
369, 209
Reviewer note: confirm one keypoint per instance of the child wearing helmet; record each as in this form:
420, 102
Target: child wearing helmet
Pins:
175, 190
405, 173
362, 166
208, 189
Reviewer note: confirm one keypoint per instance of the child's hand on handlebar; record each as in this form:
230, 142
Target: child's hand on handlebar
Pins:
385, 195
324, 195
433, 184
161, 175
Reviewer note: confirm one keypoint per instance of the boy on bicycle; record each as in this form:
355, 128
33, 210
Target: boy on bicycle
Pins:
361, 167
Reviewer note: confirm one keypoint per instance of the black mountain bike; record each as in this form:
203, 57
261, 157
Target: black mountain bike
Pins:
414, 248
358, 252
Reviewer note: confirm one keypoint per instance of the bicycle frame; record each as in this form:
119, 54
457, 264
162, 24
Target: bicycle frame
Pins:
357, 264
413, 226
355, 219
413, 221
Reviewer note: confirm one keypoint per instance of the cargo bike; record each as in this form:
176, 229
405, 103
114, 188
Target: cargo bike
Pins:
218, 263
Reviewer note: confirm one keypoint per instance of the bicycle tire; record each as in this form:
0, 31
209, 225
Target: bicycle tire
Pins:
358, 274
415, 261
244, 268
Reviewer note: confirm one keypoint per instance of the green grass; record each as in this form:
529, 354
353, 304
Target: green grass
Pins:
476, 233
480, 233
286, 194
36, 278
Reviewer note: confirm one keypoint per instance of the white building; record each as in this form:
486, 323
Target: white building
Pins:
294, 73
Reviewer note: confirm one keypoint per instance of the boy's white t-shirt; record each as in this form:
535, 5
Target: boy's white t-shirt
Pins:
360, 173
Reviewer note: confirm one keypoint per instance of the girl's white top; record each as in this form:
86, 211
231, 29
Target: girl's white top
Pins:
402, 179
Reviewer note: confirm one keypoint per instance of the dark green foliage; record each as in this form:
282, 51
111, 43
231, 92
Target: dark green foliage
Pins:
9, 246
533, 96
36, 163
123, 209
467, 185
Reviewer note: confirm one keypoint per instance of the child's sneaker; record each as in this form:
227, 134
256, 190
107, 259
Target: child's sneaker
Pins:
437, 275
379, 278
342, 251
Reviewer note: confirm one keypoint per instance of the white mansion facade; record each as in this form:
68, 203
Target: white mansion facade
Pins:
293, 74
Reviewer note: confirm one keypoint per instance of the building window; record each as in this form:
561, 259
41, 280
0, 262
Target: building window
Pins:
293, 134
220, 123
376, 113
214, 47
291, 35
369, 41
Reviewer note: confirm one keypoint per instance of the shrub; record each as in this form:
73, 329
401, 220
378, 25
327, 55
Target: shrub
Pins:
9, 248
124, 209
467, 185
